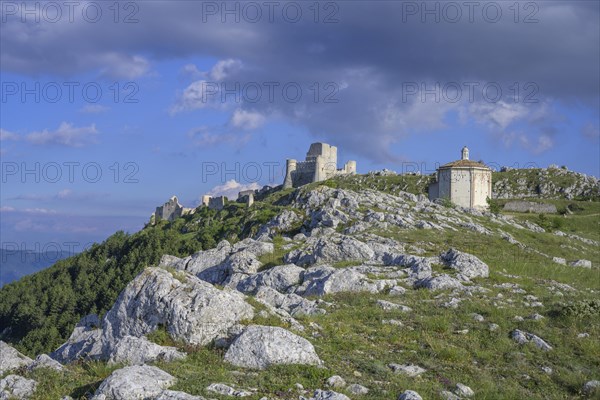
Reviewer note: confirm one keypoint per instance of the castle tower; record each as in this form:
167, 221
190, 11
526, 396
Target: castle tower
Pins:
290, 166
465, 153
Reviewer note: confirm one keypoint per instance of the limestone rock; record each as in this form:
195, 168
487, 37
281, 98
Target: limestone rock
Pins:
525, 337
581, 263
44, 361
591, 387
407, 369
137, 382
225, 390
261, 346
466, 264
291, 303
464, 390
280, 278
138, 351
16, 387
357, 389
336, 381
328, 395
84, 343
333, 248
11, 359
441, 282
388, 305
193, 311
410, 395
448, 395
338, 281
173, 395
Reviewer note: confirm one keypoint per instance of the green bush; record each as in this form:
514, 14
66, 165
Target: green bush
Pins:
494, 205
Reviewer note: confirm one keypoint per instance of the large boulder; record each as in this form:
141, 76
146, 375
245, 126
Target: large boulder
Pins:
139, 382
467, 265
291, 303
340, 280
261, 346
139, 350
11, 359
281, 278
84, 343
440, 282
190, 309
333, 248
16, 387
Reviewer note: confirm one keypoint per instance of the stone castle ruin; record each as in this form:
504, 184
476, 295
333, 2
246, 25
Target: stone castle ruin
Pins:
170, 211
320, 164
464, 182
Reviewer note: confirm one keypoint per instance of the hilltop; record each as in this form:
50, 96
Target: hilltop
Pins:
356, 286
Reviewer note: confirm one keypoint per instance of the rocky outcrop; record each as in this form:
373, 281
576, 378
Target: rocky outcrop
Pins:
530, 207
132, 350
192, 311
320, 281
291, 303
525, 337
261, 346
84, 343
16, 387
44, 361
11, 359
467, 265
281, 278
335, 248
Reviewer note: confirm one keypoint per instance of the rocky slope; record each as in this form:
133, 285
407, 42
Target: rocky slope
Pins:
352, 286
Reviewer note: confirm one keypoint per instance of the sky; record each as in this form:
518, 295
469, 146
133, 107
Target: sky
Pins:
110, 108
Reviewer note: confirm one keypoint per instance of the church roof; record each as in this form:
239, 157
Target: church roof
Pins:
464, 164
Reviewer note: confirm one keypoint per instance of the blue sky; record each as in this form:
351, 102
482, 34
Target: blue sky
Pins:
179, 111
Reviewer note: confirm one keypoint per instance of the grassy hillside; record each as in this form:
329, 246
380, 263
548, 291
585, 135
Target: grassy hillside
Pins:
352, 338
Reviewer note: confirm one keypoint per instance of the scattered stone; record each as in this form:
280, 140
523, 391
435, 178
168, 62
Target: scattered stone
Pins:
448, 395
16, 387
407, 369
493, 327
583, 335
173, 395
464, 390
591, 387
388, 305
525, 337
409, 395
559, 260
328, 395
477, 317
581, 264
397, 291
225, 390
336, 381
547, 370
357, 389
392, 322
466, 264
261, 346
11, 359
535, 317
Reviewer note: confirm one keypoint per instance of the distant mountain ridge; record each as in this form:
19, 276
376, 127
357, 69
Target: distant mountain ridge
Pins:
15, 264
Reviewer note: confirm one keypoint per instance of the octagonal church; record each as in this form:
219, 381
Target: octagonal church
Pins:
464, 182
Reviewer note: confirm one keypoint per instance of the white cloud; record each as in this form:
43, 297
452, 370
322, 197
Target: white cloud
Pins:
196, 96
541, 145
231, 188
123, 66
33, 211
499, 114
225, 68
66, 135
247, 120
6, 135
